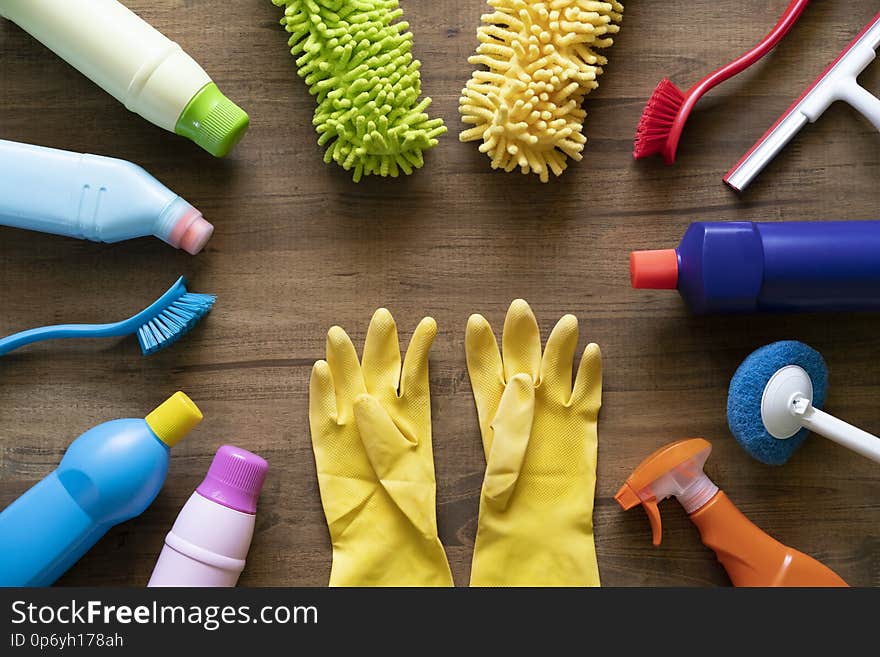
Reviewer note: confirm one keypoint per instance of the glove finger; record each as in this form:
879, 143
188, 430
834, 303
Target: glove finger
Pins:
587, 394
322, 399
512, 427
521, 342
396, 462
337, 450
383, 441
486, 373
558, 359
381, 361
348, 379
344, 474
414, 378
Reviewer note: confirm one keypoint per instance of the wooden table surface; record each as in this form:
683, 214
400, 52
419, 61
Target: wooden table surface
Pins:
298, 247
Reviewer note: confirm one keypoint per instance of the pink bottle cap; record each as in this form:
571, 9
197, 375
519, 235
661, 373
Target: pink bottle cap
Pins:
234, 479
191, 232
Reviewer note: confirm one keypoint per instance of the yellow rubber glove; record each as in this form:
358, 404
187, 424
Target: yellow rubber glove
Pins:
374, 458
539, 437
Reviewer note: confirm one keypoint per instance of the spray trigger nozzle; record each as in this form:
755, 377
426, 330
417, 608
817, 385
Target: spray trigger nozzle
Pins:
654, 518
628, 498
675, 470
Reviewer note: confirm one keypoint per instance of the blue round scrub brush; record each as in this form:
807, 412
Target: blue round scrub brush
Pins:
168, 318
774, 401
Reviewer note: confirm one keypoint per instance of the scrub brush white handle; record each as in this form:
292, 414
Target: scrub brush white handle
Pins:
837, 430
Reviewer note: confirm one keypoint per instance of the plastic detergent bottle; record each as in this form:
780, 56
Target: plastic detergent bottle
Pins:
136, 64
209, 541
749, 555
92, 197
110, 474
748, 267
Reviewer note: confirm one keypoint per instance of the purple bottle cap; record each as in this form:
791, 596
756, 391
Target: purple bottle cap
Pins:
234, 479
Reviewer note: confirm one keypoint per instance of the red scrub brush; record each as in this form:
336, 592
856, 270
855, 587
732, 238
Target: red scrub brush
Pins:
668, 109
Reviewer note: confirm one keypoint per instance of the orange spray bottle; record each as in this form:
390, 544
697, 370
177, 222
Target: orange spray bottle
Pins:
750, 556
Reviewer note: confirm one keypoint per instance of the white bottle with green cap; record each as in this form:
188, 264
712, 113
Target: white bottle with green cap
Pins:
136, 64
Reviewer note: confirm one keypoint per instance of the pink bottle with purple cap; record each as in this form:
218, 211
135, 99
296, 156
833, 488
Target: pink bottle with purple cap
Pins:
209, 541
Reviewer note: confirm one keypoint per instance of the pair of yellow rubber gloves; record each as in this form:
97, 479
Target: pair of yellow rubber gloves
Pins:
371, 432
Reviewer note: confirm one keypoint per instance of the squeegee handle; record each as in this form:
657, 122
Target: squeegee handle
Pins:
863, 100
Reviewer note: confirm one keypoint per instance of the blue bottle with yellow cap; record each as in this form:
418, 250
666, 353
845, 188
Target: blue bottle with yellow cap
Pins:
110, 474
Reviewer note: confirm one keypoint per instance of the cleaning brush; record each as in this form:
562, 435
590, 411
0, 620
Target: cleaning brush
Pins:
541, 61
160, 325
775, 399
357, 62
668, 108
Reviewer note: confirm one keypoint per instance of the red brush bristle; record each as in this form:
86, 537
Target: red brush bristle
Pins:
657, 119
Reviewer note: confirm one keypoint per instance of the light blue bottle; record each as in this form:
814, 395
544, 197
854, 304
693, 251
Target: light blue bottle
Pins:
110, 474
91, 197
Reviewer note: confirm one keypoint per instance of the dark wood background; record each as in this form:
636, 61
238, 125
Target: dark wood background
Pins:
299, 247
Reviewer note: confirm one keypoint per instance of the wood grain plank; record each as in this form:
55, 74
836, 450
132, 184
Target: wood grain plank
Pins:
299, 247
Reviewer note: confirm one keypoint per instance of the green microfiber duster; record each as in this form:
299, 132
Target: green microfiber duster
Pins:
358, 63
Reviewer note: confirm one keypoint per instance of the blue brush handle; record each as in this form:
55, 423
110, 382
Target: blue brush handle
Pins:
116, 329
23, 338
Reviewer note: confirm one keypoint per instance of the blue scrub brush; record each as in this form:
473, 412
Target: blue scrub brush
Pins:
169, 317
774, 401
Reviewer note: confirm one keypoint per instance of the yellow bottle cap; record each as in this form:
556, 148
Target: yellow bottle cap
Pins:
174, 418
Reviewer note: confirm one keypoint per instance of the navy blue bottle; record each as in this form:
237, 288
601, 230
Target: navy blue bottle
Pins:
758, 267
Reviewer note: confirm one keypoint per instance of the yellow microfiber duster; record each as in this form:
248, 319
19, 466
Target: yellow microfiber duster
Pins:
541, 59
357, 61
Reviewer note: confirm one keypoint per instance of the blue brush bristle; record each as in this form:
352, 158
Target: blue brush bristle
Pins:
173, 321
747, 389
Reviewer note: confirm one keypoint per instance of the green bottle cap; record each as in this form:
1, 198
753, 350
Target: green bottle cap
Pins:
212, 121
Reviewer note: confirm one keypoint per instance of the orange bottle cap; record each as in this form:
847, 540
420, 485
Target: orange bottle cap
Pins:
654, 270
